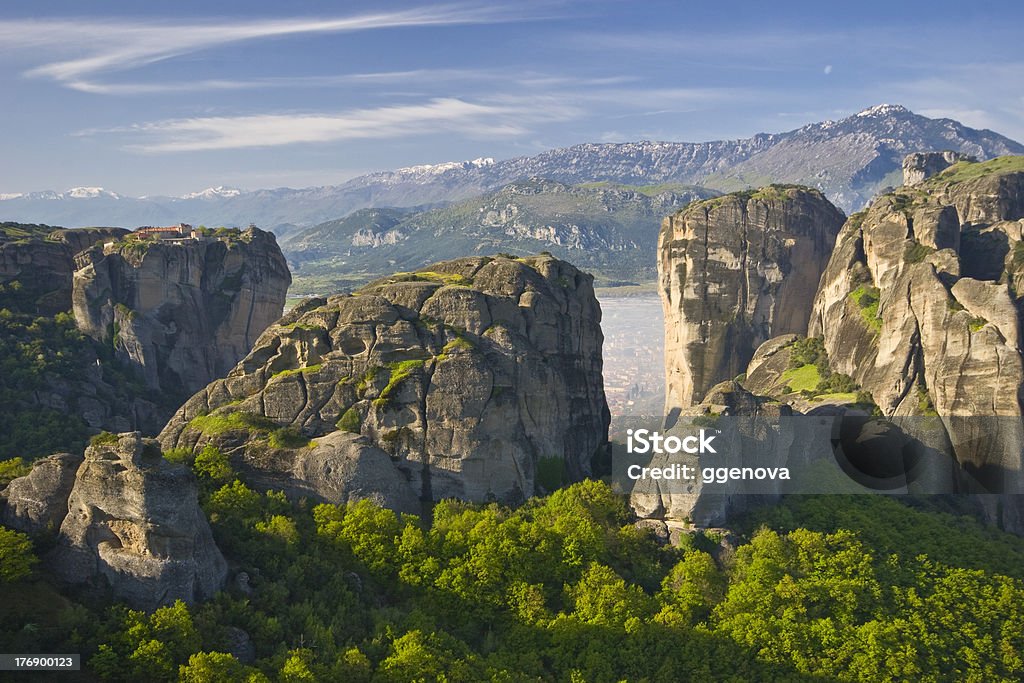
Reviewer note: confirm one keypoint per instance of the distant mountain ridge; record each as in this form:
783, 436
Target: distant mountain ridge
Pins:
849, 160
609, 230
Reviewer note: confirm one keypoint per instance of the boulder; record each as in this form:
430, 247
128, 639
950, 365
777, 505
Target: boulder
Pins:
38, 502
134, 525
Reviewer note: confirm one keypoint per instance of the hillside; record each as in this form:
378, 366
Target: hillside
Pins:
603, 228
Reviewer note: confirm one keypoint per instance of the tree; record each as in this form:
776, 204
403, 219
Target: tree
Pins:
602, 597
691, 589
213, 465
218, 667
16, 556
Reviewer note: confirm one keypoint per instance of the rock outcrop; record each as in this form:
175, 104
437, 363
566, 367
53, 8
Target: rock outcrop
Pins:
921, 166
478, 378
40, 260
735, 271
181, 312
133, 524
921, 304
38, 502
693, 504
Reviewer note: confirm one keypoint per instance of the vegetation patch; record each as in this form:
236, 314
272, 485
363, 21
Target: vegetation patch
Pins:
924, 402
350, 421
810, 373
180, 456
222, 423
916, 252
104, 439
867, 297
808, 351
803, 378
12, 469
708, 420
453, 279
459, 344
212, 466
299, 371
551, 474
399, 372
773, 193
126, 312
287, 437
819, 588
967, 170
368, 378
976, 323
856, 220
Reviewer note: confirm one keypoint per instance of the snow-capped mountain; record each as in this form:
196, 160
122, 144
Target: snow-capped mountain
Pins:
213, 193
849, 160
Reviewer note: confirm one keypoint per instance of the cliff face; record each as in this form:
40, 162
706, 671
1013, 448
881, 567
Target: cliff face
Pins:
921, 303
129, 521
478, 378
181, 312
733, 272
41, 260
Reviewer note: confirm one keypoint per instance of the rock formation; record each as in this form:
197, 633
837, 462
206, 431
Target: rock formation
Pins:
182, 312
38, 502
686, 504
41, 261
132, 523
920, 166
478, 378
735, 271
921, 305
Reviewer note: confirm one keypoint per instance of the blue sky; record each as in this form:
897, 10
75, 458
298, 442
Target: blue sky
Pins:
266, 94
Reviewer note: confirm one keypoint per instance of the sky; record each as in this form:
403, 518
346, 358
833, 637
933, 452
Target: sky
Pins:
145, 100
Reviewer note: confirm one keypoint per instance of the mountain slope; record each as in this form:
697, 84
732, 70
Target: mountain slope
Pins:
609, 229
848, 160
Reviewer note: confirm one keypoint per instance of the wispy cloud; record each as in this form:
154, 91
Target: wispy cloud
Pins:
435, 77
110, 46
508, 117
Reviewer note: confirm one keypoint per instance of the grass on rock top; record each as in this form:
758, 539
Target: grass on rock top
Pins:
804, 378
967, 170
299, 371
222, 423
452, 279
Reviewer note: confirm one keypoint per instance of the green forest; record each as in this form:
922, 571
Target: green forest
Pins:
563, 588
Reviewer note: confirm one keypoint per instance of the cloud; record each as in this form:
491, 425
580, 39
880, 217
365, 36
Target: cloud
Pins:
111, 46
508, 117
412, 76
828, 69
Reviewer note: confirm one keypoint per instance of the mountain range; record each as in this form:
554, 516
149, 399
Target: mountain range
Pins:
609, 230
849, 160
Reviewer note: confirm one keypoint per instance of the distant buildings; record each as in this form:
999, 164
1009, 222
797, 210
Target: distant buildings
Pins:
178, 231
182, 232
